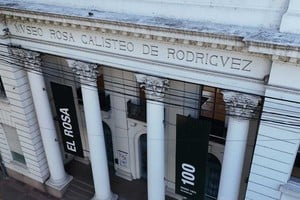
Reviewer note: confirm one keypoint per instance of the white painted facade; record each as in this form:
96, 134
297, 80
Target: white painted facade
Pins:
191, 44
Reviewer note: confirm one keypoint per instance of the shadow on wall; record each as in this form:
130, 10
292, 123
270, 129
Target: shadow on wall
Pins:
3, 173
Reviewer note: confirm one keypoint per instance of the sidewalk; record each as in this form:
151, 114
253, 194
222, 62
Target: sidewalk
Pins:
11, 189
81, 188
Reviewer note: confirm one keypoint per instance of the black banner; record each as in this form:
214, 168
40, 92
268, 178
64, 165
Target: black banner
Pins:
191, 156
67, 118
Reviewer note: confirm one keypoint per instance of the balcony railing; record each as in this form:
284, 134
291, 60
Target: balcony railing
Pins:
136, 111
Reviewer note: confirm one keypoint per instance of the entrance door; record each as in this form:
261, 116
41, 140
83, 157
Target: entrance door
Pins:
143, 155
108, 146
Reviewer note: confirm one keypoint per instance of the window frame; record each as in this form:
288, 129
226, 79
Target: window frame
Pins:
14, 144
295, 174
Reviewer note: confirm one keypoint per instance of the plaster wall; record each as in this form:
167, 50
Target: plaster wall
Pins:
17, 111
265, 14
278, 136
291, 17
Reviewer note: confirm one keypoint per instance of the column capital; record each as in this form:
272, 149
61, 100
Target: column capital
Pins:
86, 71
31, 59
154, 87
240, 105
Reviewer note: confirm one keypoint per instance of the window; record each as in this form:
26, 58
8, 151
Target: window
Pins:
14, 144
2, 91
296, 168
212, 179
213, 108
291, 188
138, 110
103, 98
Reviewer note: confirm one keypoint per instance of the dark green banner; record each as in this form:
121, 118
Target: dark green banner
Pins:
67, 118
191, 156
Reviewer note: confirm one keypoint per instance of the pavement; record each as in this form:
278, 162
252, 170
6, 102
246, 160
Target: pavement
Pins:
11, 189
81, 188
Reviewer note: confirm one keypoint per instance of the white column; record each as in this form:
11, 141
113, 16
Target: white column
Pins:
92, 112
241, 108
155, 88
58, 177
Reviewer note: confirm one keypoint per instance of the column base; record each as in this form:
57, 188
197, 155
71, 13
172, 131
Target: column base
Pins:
58, 190
113, 197
170, 192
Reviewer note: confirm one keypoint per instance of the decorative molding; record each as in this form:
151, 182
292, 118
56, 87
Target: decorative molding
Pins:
3, 26
238, 42
154, 87
30, 59
286, 59
209, 40
240, 105
276, 52
86, 71
287, 53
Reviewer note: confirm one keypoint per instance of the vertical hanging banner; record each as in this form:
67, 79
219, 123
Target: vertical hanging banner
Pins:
67, 118
191, 156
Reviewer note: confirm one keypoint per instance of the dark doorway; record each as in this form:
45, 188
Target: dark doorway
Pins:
108, 146
2, 169
212, 179
143, 155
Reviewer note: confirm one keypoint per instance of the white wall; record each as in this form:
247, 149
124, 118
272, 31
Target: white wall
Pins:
18, 111
291, 18
265, 13
278, 140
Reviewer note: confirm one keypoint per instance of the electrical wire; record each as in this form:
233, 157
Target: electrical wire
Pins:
135, 90
118, 85
69, 76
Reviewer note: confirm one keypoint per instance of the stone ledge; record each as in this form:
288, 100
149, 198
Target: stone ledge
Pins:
20, 177
290, 190
56, 192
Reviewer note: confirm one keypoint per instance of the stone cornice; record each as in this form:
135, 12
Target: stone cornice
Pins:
286, 59
282, 53
239, 42
137, 30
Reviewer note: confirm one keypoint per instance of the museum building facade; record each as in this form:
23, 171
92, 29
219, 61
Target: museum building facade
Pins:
198, 106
